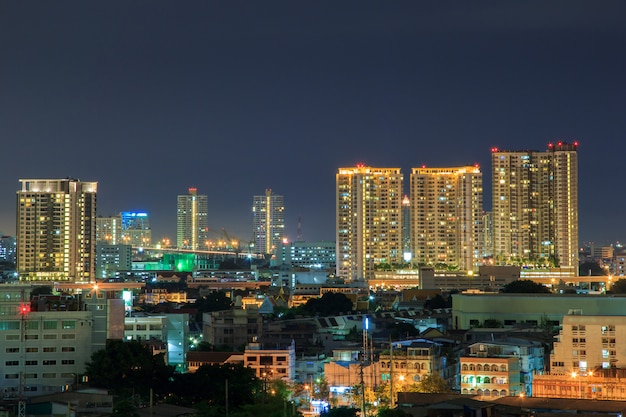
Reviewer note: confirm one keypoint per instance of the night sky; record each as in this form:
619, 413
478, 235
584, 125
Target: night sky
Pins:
152, 97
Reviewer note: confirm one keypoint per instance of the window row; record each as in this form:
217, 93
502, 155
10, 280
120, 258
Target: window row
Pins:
44, 349
44, 362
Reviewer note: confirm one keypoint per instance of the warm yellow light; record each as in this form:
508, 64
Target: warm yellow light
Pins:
574, 374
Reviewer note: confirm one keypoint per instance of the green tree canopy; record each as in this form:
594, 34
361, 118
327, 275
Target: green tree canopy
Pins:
619, 286
125, 367
208, 385
215, 301
590, 268
388, 412
402, 330
432, 384
340, 412
329, 304
438, 302
525, 286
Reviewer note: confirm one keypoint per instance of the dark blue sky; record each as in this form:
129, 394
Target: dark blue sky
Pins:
151, 97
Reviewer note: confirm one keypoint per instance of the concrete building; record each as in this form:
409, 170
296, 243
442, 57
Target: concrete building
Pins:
601, 384
369, 220
46, 350
486, 279
56, 230
8, 249
587, 343
530, 355
446, 216
161, 295
491, 376
535, 205
109, 230
411, 361
487, 245
172, 329
233, 328
320, 255
268, 219
269, 364
136, 229
196, 359
344, 371
472, 310
192, 225
113, 259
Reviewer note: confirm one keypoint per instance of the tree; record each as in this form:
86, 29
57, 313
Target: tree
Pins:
125, 367
340, 412
525, 286
590, 268
388, 412
215, 301
124, 408
438, 302
402, 330
432, 384
330, 304
619, 286
208, 385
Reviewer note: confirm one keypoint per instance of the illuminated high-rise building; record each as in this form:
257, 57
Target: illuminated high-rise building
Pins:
268, 213
446, 216
407, 250
109, 230
192, 225
136, 229
535, 206
56, 230
369, 220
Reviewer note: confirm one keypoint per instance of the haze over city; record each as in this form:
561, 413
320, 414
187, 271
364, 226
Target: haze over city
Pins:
150, 98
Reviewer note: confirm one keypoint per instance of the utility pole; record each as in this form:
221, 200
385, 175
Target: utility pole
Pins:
392, 400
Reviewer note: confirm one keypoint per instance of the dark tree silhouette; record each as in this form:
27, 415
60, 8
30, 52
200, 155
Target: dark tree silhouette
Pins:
619, 286
525, 286
330, 304
125, 367
340, 412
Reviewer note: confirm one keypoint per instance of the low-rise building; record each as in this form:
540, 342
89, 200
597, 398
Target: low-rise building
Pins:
197, 359
589, 342
162, 295
233, 328
473, 310
491, 377
530, 355
172, 329
268, 364
345, 370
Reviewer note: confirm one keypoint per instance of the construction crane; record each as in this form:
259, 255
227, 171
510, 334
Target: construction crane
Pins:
230, 242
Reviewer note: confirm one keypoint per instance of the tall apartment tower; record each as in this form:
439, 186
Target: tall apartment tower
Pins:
446, 216
535, 205
268, 213
136, 228
407, 250
192, 225
369, 220
109, 230
56, 230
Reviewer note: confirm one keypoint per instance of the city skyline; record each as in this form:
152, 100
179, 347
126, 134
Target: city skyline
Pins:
151, 98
